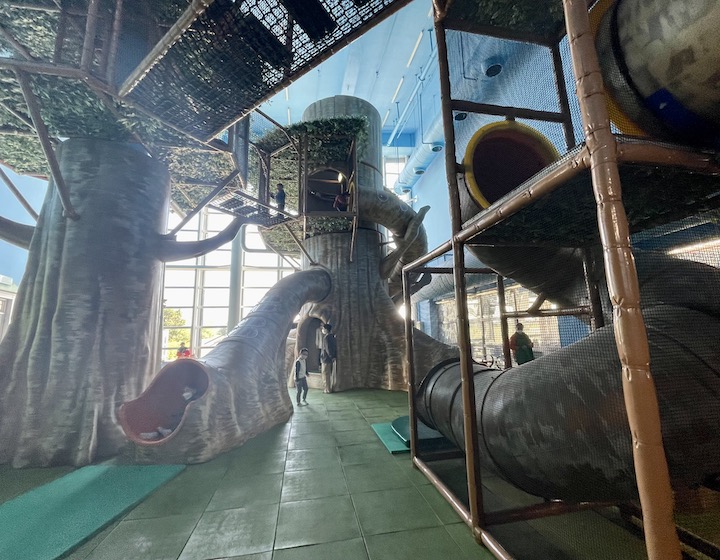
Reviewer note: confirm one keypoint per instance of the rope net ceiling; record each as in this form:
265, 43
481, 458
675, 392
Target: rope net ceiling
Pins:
234, 56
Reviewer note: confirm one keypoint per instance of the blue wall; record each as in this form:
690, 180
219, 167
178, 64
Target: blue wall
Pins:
12, 258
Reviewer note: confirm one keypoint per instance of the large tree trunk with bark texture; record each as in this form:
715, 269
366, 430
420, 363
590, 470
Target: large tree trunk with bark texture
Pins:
85, 330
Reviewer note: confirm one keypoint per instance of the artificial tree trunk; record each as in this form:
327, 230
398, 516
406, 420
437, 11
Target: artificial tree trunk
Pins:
85, 330
366, 323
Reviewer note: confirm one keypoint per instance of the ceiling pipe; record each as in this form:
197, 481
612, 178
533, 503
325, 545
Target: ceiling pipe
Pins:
421, 157
421, 79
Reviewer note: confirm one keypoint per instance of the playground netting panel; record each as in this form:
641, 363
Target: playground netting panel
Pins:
236, 54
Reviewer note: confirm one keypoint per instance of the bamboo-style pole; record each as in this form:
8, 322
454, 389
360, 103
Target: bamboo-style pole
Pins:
519, 199
472, 453
18, 194
651, 468
88, 49
39, 124
191, 13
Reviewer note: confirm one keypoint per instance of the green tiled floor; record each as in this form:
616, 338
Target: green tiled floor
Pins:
321, 487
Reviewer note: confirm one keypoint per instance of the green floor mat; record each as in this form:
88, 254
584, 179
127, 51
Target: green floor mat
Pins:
51, 519
389, 438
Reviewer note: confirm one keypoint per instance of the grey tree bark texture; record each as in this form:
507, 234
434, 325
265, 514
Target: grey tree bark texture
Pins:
368, 328
85, 330
240, 385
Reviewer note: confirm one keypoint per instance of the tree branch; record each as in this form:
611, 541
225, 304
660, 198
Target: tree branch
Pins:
16, 233
171, 250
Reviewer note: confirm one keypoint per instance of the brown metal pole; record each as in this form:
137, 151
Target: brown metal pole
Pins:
520, 199
651, 468
563, 96
410, 366
19, 116
298, 243
18, 194
114, 42
88, 50
597, 319
15, 44
566, 311
538, 511
510, 112
42, 133
503, 322
204, 202
472, 458
60, 36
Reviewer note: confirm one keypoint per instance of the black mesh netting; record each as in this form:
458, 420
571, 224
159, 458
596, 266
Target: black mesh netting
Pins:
235, 55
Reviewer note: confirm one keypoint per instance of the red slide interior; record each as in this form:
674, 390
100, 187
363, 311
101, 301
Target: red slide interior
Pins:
162, 404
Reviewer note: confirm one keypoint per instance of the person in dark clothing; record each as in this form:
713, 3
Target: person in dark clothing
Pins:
279, 197
301, 376
328, 357
521, 345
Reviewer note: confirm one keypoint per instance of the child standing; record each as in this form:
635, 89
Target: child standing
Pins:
301, 375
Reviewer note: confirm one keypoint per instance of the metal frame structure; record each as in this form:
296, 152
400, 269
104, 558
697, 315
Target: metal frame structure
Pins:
601, 155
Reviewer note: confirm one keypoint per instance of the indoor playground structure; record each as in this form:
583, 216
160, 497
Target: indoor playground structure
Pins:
575, 186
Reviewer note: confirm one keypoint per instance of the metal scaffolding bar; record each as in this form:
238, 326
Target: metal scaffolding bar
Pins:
18, 194
34, 109
88, 50
204, 202
472, 460
191, 13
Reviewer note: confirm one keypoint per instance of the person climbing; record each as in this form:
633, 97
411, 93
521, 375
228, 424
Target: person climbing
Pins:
341, 202
521, 345
301, 374
183, 351
328, 357
279, 197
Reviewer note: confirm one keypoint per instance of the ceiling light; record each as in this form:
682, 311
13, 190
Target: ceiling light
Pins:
437, 147
460, 116
397, 90
385, 118
419, 170
415, 48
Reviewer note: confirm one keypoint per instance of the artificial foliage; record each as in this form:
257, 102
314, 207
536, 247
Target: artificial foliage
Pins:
328, 142
538, 17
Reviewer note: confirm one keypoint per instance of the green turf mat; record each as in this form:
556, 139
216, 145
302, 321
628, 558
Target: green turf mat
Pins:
389, 438
51, 519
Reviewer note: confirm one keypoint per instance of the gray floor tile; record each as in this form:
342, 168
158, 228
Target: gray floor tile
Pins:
419, 544
315, 522
353, 549
160, 539
312, 484
232, 532
320, 458
371, 477
246, 492
393, 510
